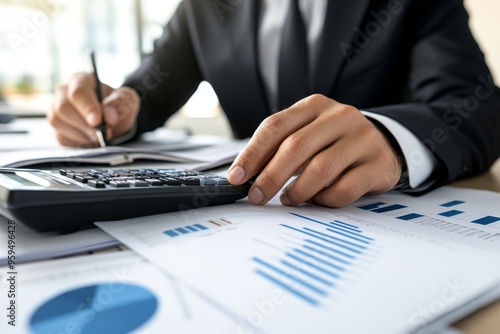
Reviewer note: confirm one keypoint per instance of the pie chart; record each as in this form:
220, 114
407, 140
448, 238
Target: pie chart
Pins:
102, 308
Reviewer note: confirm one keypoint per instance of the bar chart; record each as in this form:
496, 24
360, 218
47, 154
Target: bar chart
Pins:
189, 229
185, 230
455, 208
317, 260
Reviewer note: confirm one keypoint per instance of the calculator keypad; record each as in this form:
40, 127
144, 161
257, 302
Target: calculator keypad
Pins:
138, 178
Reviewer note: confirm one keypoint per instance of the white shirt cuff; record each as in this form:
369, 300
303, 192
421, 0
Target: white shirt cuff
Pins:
419, 159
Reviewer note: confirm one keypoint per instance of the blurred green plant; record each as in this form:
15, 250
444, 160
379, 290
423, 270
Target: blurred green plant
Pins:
25, 85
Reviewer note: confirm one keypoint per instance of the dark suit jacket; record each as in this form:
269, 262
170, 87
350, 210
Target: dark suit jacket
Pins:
414, 61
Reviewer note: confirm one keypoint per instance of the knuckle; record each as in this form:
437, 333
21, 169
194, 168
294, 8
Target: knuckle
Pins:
130, 94
348, 111
371, 139
127, 103
267, 182
80, 84
249, 154
320, 168
294, 195
76, 91
317, 99
316, 102
61, 105
273, 124
346, 193
296, 145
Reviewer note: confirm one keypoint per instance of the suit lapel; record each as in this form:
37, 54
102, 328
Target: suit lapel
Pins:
341, 19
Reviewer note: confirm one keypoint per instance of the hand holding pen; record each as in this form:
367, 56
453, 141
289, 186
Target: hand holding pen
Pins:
83, 110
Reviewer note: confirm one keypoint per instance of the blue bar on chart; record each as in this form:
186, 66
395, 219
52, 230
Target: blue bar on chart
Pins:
410, 216
182, 230
185, 230
371, 206
486, 220
393, 207
345, 225
452, 203
450, 213
379, 208
171, 233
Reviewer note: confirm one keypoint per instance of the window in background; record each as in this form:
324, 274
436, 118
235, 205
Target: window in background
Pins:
44, 41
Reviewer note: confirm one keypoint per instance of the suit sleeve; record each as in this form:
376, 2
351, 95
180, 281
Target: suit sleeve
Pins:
455, 106
168, 76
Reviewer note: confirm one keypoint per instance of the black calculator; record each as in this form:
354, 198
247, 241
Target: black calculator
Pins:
68, 200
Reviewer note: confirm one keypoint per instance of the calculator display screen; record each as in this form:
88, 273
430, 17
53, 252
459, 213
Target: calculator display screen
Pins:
17, 179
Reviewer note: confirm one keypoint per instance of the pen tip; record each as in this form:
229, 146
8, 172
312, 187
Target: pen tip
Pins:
100, 138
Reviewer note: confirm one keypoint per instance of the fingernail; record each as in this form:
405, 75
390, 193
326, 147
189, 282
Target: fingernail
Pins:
91, 118
284, 199
111, 115
236, 175
255, 196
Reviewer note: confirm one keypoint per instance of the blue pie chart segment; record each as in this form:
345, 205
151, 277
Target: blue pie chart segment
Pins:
103, 308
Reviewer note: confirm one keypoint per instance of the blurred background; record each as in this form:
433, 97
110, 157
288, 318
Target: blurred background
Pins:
44, 41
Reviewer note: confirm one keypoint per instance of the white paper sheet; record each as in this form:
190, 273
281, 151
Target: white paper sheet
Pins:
314, 269
121, 290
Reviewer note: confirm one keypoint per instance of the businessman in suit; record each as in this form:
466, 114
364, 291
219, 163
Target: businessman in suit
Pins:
356, 97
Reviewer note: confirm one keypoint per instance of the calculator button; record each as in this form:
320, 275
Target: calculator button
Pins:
119, 184
137, 183
71, 175
154, 182
96, 184
222, 181
191, 181
83, 178
103, 179
170, 181
95, 172
207, 181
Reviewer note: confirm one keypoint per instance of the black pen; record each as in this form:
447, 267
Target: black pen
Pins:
13, 132
101, 130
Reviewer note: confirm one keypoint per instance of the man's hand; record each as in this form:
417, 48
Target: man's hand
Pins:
76, 112
338, 153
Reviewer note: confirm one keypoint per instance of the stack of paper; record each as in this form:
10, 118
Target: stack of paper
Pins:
207, 152
34, 246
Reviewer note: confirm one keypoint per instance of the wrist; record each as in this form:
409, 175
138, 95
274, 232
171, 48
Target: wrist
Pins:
404, 179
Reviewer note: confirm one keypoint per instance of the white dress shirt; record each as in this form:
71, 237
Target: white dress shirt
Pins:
419, 159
